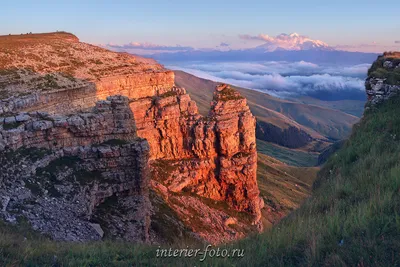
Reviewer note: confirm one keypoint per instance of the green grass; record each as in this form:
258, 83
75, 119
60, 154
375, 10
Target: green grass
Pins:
392, 77
378, 71
286, 155
353, 217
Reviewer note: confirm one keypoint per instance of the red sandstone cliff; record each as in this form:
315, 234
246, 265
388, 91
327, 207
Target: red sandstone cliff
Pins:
212, 157
194, 159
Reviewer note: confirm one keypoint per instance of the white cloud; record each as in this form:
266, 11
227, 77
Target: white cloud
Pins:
359, 70
283, 78
283, 68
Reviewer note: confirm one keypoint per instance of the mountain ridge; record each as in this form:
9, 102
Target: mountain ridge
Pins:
256, 55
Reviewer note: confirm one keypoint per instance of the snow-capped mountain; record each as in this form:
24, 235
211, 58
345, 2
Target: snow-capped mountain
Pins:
291, 41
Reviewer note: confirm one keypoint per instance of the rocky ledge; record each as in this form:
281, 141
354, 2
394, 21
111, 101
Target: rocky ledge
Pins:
383, 80
56, 172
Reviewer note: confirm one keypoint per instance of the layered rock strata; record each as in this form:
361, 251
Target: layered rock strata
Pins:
213, 157
67, 100
194, 159
57, 170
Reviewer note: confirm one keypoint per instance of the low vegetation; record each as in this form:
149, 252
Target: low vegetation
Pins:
286, 155
352, 218
53, 61
392, 77
168, 94
378, 70
229, 94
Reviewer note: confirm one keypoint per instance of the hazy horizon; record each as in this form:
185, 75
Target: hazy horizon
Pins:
141, 27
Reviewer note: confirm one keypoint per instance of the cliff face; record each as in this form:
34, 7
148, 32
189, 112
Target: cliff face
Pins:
58, 74
212, 157
219, 151
383, 80
194, 160
56, 170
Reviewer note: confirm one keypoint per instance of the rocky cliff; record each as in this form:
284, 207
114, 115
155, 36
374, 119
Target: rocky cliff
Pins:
203, 167
383, 80
219, 157
57, 170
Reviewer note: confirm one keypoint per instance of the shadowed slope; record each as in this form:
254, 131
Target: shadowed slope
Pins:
316, 121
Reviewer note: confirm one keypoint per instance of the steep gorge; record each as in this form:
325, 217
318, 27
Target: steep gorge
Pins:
196, 162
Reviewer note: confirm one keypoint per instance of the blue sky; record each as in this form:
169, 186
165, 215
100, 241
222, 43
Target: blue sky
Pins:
368, 25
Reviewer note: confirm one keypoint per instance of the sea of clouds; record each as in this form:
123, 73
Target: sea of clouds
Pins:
285, 79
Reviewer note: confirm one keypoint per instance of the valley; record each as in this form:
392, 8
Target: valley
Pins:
308, 128
107, 156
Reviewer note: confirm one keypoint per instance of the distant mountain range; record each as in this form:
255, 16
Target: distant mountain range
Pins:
262, 54
284, 47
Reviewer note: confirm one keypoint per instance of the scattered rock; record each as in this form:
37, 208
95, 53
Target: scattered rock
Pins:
9, 120
98, 229
387, 64
22, 117
4, 203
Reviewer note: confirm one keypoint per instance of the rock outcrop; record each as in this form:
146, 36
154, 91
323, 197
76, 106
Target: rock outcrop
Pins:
213, 157
216, 149
56, 170
383, 80
203, 168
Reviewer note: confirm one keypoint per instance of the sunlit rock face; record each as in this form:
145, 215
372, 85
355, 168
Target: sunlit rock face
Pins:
58, 94
213, 157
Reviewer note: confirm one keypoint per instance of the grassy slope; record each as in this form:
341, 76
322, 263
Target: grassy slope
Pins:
282, 187
287, 155
353, 107
314, 120
353, 217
